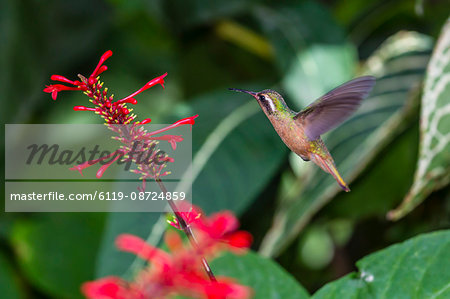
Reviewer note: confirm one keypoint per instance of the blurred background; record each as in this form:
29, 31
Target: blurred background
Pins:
302, 49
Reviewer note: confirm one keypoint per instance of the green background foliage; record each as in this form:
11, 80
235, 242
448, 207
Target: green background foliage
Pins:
307, 232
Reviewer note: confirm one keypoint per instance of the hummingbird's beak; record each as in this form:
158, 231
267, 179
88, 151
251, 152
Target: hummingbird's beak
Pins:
252, 93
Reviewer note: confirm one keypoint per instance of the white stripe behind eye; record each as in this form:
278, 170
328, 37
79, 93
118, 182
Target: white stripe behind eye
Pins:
270, 102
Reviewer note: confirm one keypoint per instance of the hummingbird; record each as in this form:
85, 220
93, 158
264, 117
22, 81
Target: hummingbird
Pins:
301, 131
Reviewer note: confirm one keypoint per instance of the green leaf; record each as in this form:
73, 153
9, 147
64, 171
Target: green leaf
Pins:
57, 251
186, 14
305, 80
433, 166
9, 284
264, 276
416, 268
295, 27
399, 64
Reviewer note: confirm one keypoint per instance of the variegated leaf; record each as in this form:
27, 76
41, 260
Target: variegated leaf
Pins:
433, 167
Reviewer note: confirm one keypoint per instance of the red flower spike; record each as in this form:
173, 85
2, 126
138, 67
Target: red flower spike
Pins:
142, 188
105, 288
190, 214
97, 69
84, 165
102, 69
219, 224
172, 139
145, 121
240, 239
184, 121
83, 108
80, 167
139, 247
104, 167
55, 88
129, 100
157, 80
169, 159
92, 80
221, 228
64, 79
177, 272
227, 289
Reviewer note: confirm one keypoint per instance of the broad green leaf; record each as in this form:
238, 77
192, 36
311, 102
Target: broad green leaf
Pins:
266, 278
368, 21
433, 166
9, 282
399, 65
416, 268
305, 80
296, 26
347, 11
57, 251
236, 153
186, 14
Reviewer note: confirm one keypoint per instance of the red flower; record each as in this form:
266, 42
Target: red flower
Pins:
116, 155
54, 89
116, 112
172, 139
136, 245
181, 122
108, 287
216, 231
176, 273
189, 212
226, 288
100, 67
113, 112
221, 229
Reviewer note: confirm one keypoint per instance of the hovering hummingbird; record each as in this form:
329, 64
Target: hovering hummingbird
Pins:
301, 131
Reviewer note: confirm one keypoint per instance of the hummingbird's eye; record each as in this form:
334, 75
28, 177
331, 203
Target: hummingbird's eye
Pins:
262, 98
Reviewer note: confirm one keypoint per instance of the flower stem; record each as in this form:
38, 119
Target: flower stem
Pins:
187, 230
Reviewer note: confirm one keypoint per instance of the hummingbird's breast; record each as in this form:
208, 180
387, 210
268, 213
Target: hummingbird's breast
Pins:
292, 134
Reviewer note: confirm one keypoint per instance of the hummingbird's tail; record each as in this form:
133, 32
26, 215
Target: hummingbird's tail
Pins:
327, 164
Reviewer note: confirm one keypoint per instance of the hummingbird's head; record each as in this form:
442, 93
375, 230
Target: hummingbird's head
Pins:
269, 100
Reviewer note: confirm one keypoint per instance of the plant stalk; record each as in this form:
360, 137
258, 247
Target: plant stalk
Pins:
187, 230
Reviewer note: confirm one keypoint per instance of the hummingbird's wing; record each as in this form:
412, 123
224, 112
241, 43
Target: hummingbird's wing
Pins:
334, 107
